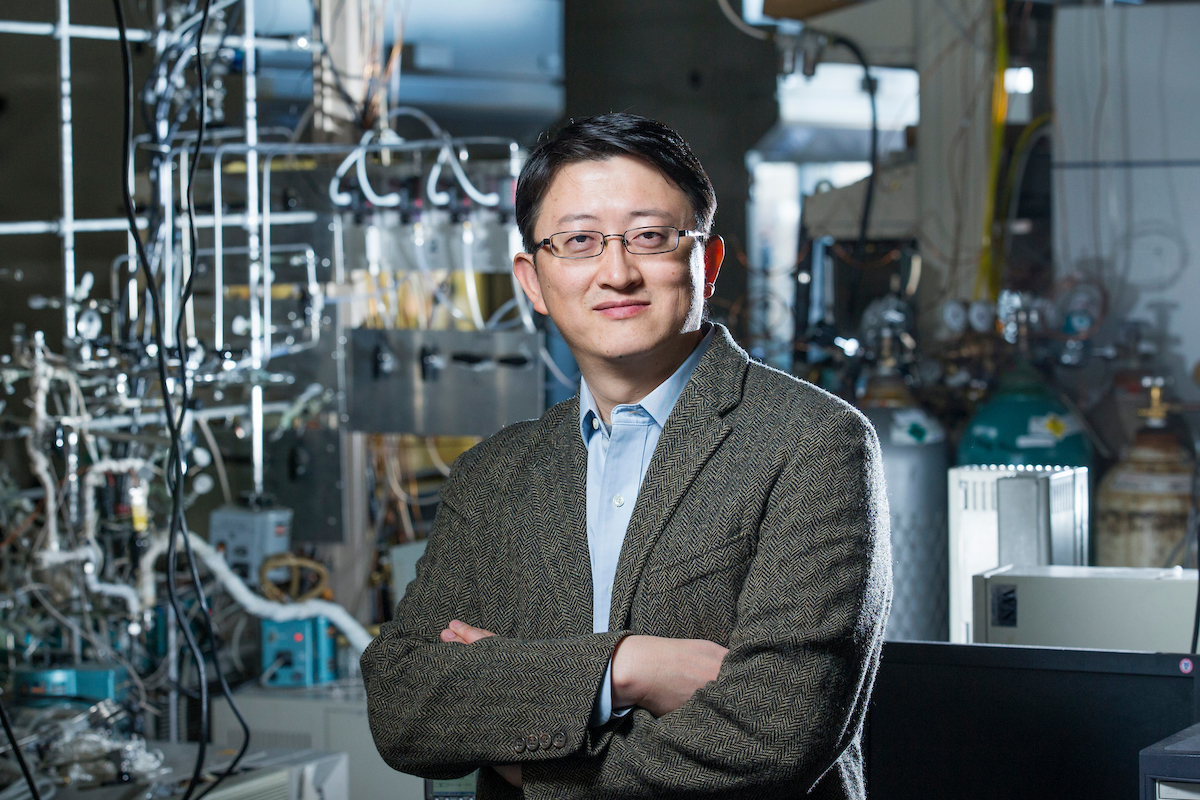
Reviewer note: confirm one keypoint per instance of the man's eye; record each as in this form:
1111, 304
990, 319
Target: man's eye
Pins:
580, 242
649, 237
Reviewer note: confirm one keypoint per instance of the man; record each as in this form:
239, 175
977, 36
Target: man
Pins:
672, 585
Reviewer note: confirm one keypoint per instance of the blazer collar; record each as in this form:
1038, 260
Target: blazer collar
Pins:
694, 430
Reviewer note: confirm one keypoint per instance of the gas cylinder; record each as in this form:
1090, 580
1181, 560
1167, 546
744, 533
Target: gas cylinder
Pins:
1024, 423
915, 461
1145, 500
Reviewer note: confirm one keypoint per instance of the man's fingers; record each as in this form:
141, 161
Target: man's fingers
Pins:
468, 634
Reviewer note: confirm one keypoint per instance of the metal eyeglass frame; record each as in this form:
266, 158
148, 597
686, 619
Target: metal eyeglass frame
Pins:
604, 237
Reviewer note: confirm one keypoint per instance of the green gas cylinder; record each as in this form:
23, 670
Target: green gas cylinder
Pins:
1025, 423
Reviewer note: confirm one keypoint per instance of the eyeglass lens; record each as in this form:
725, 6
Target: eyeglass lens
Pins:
641, 241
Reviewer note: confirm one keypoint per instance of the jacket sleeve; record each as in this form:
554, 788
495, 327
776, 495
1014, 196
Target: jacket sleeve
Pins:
792, 690
440, 710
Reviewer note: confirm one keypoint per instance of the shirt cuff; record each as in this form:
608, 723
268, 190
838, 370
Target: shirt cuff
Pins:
603, 711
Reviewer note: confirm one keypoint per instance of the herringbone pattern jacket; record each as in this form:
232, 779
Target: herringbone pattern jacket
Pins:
762, 524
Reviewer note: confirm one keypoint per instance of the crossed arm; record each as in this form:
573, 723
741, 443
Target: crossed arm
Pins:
790, 693
651, 672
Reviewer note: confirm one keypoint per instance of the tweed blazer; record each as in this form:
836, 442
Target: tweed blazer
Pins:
761, 524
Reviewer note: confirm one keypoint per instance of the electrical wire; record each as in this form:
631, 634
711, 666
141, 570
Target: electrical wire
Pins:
1196, 617
174, 469
741, 24
871, 88
202, 602
16, 748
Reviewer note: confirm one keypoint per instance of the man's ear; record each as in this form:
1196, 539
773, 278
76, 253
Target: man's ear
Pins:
526, 272
714, 254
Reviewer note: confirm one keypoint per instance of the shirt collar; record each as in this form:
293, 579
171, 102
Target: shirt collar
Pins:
658, 404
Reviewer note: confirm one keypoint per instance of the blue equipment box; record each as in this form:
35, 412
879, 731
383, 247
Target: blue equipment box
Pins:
88, 681
299, 652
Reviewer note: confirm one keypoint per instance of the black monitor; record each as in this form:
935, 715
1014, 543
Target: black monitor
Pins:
998, 721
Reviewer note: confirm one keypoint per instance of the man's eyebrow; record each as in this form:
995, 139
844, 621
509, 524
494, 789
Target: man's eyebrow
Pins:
585, 217
651, 212
565, 218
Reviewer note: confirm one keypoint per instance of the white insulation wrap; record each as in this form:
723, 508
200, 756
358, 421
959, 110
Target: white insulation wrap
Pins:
354, 632
92, 559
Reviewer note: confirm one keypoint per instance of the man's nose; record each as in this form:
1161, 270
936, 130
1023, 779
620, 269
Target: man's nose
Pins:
618, 269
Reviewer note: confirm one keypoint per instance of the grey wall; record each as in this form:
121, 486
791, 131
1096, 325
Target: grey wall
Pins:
681, 62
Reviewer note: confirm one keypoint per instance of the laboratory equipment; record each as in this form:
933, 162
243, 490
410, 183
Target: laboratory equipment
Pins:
1105, 608
1170, 769
915, 459
300, 652
1014, 512
332, 718
1145, 507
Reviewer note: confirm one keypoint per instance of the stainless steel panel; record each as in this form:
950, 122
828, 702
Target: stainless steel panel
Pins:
443, 383
304, 473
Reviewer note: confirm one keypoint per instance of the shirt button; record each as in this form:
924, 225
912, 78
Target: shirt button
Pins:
544, 740
595, 424
560, 739
519, 745
618, 501
532, 743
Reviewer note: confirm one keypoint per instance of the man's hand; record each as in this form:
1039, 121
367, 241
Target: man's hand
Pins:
462, 633
510, 773
659, 674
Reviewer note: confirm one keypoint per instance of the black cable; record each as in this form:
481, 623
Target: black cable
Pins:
226, 692
1196, 617
12, 738
870, 86
178, 521
175, 459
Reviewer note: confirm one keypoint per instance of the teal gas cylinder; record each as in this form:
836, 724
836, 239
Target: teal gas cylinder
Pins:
1024, 423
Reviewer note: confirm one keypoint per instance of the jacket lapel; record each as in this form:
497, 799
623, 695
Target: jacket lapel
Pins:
564, 552
694, 430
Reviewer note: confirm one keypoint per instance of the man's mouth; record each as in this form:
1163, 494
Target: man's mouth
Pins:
621, 309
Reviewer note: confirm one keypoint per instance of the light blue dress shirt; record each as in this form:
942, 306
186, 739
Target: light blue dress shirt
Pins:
618, 456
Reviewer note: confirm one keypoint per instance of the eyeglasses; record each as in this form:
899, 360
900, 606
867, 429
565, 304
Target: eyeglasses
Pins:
638, 241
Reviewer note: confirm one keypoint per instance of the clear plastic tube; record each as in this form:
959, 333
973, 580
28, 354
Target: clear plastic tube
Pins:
468, 243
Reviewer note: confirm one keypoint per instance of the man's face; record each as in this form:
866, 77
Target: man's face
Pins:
618, 306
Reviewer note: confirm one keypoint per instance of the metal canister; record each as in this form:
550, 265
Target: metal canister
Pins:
915, 461
1145, 502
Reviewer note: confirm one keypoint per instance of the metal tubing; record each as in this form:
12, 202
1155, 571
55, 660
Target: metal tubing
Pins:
166, 264
134, 35
66, 227
250, 66
172, 673
256, 422
339, 328
145, 418
122, 224
218, 220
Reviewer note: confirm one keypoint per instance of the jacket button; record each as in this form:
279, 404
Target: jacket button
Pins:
544, 740
560, 739
531, 742
519, 745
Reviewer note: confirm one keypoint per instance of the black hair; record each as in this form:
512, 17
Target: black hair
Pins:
603, 137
